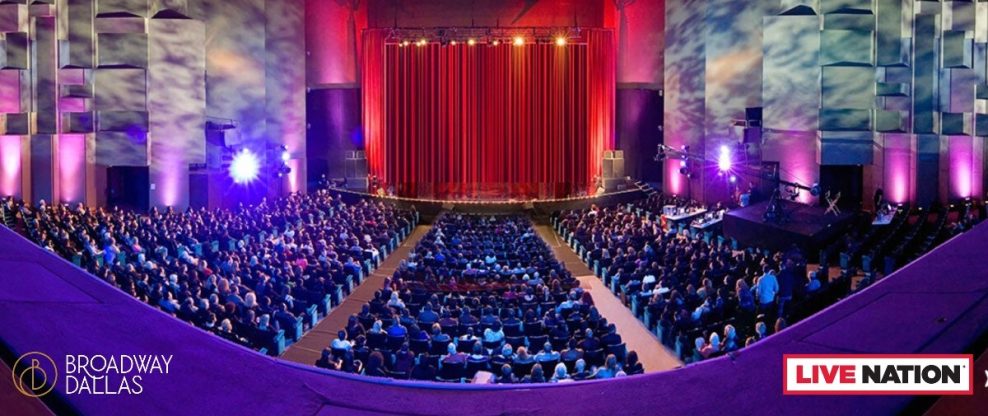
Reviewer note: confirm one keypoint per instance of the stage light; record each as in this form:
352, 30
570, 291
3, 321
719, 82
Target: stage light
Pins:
815, 189
285, 156
495, 42
519, 41
405, 43
733, 179
422, 42
724, 159
560, 41
471, 41
244, 167
682, 163
452, 42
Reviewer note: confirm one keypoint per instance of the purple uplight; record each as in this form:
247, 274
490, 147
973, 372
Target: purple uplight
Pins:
961, 154
72, 167
898, 170
10, 165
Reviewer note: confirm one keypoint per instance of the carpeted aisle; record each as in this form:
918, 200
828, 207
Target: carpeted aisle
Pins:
308, 349
652, 354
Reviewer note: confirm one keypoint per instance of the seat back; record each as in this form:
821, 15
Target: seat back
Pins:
620, 351
522, 369
376, 341
465, 347
438, 348
594, 357
418, 346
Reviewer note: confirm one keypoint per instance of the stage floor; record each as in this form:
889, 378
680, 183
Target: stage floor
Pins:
809, 227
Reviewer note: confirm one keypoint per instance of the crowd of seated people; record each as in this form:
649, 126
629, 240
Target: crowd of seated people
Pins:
248, 275
705, 297
481, 294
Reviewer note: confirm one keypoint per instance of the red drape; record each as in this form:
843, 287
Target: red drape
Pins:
488, 122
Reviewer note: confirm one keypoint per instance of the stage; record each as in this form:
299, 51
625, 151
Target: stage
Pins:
808, 227
538, 208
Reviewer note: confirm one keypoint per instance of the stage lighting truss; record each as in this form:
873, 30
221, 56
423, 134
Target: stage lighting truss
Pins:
490, 36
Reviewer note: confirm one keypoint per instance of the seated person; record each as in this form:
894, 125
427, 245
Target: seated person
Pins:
561, 375
507, 376
580, 372
423, 370
609, 369
537, 375
632, 366
547, 354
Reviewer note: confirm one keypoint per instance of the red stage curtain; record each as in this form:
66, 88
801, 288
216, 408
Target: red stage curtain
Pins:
488, 122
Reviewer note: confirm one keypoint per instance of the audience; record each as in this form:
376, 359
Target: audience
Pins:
477, 294
256, 269
690, 285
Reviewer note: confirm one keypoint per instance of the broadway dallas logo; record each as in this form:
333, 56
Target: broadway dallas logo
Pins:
878, 374
36, 374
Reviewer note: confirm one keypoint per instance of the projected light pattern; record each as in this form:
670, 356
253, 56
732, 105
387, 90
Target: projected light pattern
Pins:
245, 167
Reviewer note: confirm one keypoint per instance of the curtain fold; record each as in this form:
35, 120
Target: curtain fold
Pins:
488, 122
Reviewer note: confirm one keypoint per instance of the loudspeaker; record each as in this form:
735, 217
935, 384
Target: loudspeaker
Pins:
355, 164
753, 115
613, 164
198, 189
612, 184
752, 135
618, 168
128, 187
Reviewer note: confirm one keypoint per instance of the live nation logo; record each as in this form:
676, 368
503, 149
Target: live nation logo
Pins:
878, 374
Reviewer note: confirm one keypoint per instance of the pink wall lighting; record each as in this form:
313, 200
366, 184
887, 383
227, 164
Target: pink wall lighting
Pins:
10, 165
72, 167
961, 156
898, 168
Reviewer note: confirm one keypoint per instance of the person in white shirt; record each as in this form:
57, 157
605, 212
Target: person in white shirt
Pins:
340, 343
767, 287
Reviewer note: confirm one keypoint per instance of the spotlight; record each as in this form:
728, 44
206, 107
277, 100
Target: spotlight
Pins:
660, 153
519, 41
405, 43
422, 42
495, 42
684, 171
724, 159
471, 41
452, 42
682, 163
815, 189
733, 179
245, 167
560, 41
285, 156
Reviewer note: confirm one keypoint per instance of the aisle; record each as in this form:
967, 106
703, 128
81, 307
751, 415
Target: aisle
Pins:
652, 354
308, 349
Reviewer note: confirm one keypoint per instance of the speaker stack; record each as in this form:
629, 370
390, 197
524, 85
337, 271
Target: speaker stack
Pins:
355, 166
613, 168
753, 125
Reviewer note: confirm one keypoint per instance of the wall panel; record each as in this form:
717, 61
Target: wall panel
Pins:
176, 107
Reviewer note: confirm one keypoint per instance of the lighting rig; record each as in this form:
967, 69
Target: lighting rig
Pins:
725, 166
490, 36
